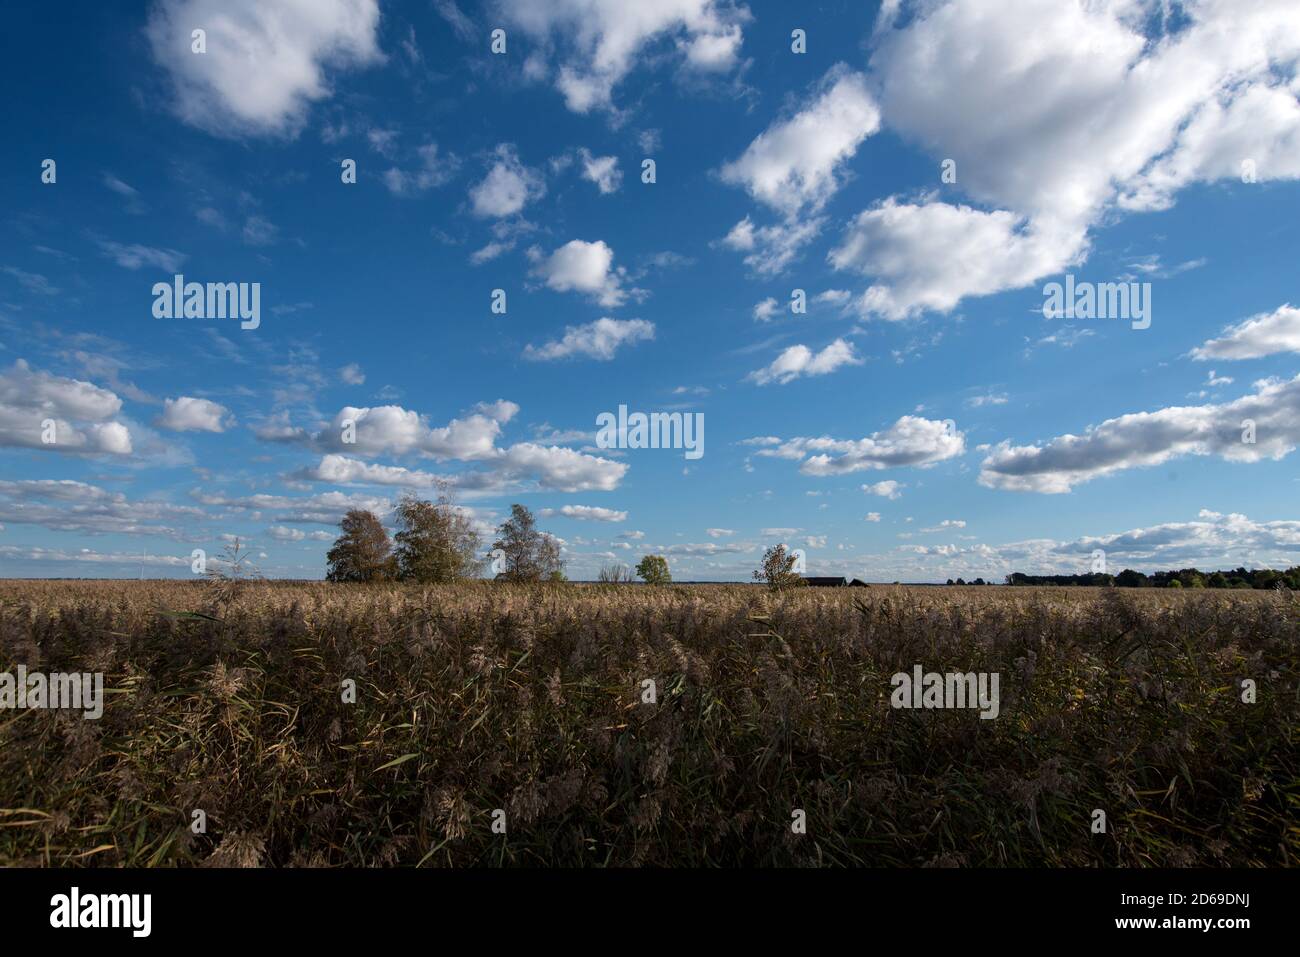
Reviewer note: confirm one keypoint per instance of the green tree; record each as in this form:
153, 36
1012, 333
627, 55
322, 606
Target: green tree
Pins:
362, 553
529, 555
436, 543
778, 569
654, 570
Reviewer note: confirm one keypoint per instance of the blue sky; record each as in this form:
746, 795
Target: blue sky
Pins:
921, 420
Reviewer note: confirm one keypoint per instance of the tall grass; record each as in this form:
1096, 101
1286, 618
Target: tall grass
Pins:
529, 699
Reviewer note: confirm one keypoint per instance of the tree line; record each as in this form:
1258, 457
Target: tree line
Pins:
1183, 578
436, 543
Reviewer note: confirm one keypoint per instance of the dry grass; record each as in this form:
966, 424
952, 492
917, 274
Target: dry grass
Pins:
485, 696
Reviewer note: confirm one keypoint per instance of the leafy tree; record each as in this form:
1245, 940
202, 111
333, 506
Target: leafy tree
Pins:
362, 553
654, 569
778, 569
436, 543
1128, 578
529, 554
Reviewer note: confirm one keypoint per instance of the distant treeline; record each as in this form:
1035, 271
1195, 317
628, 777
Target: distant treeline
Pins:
1184, 578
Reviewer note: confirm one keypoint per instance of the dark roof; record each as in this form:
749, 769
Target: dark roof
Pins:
827, 582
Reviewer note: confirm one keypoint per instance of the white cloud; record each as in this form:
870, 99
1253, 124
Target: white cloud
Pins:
433, 170
351, 374
587, 513
1145, 439
601, 170
796, 163
508, 187
188, 414
596, 340
770, 249
888, 489
932, 255
83, 415
600, 41
265, 62
584, 267
1264, 334
799, 361
67, 506
719, 532
911, 441
393, 430
873, 516
133, 256
766, 309
560, 469
342, 470
947, 524
1057, 114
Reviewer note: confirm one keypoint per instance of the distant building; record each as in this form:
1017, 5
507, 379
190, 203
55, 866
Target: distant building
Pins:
837, 581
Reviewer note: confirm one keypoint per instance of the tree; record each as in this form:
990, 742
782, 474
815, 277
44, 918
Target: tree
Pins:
362, 553
529, 555
436, 543
777, 571
614, 574
654, 569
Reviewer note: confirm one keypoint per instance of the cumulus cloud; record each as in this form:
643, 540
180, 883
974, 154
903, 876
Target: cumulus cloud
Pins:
596, 340
601, 170
343, 470
797, 361
1144, 439
587, 268
188, 414
600, 41
766, 309
394, 430
1264, 334
79, 416
796, 165
265, 62
1058, 114
911, 441
587, 513
769, 249
797, 162
508, 187
930, 256
888, 489
559, 469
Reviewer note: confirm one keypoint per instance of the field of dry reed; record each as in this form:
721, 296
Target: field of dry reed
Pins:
528, 701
